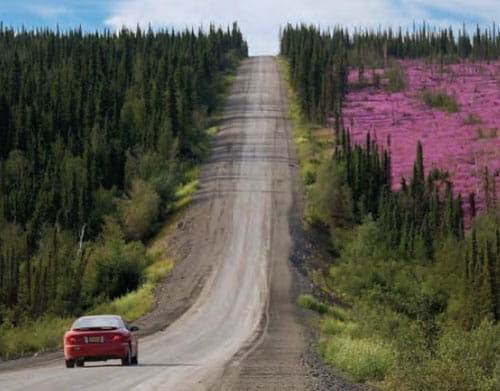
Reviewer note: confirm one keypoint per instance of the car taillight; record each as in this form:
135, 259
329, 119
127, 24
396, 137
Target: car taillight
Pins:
116, 338
71, 339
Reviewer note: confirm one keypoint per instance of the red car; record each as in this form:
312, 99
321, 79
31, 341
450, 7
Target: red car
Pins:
100, 338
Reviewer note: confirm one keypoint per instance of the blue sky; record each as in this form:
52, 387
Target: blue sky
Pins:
259, 19
91, 14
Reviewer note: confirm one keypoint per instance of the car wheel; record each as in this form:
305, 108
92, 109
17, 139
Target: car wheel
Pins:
80, 363
70, 363
135, 359
128, 358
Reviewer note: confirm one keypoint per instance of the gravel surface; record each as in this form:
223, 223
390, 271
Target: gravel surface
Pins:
226, 317
283, 356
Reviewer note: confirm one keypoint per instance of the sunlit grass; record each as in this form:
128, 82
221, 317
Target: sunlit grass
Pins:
359, 359
157, 271
37, 336
130, 306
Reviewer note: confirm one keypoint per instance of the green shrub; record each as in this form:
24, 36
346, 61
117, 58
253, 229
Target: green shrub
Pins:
360, 359
114, 269
462, 361
440, 100
396, 78
486, 134
185, 193
37, 336
158, 270
331, 196
309, 302
309, 177
140, 211
332, 325
130, 306
472, 119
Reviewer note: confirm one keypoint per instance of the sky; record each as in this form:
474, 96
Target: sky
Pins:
260, 20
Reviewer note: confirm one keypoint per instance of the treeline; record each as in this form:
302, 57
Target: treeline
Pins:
425, 294
96, 131
320, 60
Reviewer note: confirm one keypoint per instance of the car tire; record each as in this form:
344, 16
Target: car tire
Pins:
135, 359
128, 358
70, 363
80, 363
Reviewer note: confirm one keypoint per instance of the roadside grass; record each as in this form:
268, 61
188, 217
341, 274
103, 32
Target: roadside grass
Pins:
313, 145
440, 100
46, 334
361, 360
341, 344
36, 336
184, 195
130, 306
311, 303
157, 271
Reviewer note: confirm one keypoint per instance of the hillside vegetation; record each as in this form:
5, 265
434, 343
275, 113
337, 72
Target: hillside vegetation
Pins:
98, 136
411, 299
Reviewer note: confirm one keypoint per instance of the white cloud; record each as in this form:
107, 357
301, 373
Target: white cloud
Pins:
47, 11
260, 20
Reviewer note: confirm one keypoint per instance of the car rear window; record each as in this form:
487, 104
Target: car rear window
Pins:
101, 322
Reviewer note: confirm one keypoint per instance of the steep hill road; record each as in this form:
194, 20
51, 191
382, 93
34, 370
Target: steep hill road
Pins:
245, 193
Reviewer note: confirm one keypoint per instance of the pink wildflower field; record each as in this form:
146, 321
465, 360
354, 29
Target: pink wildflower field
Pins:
463, 143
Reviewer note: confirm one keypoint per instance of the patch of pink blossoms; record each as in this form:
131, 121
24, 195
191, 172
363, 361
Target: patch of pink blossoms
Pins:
450, 141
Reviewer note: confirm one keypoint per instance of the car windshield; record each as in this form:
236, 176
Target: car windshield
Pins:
98, 322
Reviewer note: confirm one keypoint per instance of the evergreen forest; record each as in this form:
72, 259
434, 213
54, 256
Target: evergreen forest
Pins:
97, 131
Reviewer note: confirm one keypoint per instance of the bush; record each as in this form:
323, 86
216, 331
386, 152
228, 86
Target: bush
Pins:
360, 359
140, 211
397, 78
114, 269
331, 196
158, 270
36, 336
130, 306
472, 119
440, 100
462, 361
309, 302
332, 325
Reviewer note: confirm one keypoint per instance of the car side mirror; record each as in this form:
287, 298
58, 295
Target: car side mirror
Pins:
134, 329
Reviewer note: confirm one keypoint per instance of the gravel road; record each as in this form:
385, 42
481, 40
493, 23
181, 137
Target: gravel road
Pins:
229, 306
245, 188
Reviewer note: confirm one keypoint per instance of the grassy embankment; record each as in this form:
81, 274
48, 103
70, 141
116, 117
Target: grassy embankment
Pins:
46, 333
360, 359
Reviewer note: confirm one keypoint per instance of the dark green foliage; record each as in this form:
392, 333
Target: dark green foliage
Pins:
318, 69
96, 125
440, 100
396, 78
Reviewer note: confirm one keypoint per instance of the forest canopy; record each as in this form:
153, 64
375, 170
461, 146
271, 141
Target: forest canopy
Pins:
96, 131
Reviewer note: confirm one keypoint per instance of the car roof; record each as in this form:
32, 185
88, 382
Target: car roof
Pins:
100, 316
97, 317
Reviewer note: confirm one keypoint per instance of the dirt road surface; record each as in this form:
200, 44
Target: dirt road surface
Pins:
243, 234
